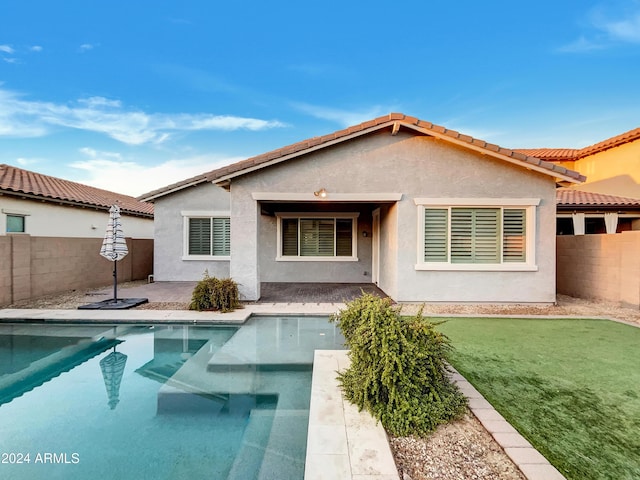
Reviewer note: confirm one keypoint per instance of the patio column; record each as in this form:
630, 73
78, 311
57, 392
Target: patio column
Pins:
243, 267
611, 222
578, 223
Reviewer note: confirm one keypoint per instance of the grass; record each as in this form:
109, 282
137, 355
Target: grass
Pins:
571, 387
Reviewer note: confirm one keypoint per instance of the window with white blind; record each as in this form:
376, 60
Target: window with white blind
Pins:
207, 235
468, 236
315, 236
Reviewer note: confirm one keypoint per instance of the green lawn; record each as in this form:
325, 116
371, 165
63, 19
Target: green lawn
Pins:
571, 387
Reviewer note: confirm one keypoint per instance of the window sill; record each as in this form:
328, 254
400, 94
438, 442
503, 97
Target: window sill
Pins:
205, 257
316, 259
461, 267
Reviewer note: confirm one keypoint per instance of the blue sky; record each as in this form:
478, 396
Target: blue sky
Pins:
132, 96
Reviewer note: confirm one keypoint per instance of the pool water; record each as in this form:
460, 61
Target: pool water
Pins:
158, 401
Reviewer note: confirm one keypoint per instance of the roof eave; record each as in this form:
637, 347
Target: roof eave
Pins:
289, 156
71, 203
151, 196
560, 174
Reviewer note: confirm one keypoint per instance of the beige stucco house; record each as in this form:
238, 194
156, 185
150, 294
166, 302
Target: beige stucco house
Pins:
611, 167
426, 213
609, 200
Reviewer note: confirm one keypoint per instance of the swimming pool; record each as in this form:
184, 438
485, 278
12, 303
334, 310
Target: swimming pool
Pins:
158, 401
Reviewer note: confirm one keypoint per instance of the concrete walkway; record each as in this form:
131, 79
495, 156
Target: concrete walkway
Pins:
180, 292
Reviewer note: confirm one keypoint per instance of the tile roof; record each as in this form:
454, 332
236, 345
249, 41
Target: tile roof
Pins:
550, 154
392, 121
612, 142
569, 197
559, 154
15, 180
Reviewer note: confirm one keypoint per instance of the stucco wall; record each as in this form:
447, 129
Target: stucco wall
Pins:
601, 267
415, 167
44, 219
169, 233
615, 171
388, 281
35, 266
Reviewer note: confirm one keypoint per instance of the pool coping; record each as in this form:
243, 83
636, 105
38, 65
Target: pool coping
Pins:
342, 443
191, 317
345, 444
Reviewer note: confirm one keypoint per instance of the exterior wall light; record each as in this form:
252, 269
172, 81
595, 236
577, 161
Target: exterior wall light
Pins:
322, 193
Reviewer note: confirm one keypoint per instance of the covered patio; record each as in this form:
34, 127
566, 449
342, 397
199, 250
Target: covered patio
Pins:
271, 292
293, 292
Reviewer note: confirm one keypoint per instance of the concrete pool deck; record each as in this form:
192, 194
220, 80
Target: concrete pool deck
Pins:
343, 444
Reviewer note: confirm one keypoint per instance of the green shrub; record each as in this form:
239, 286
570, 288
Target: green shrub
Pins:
215, 294
398, 369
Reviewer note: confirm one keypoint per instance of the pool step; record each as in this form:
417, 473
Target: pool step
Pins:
287, 345
249, 458
172, 400
272, 447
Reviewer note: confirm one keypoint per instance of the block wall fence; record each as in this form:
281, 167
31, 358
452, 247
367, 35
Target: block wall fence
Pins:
31, 267
600, 267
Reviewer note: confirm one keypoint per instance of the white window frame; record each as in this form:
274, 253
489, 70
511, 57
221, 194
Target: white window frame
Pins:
290, 258
528, 204
188, 214
10, 212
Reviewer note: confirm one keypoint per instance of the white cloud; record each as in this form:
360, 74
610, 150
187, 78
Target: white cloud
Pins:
100, 102
24, 118
85, 47
36, 48
608, 26
96, 154
24, 162
581, 45
7, 49
225, 122
110, 172
627, 30
344, 118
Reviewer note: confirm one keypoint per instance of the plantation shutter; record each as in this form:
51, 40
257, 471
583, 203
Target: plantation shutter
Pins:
435, 234
475, 235
344, 237
221, 228
487, 235
461, 235
199, 236
317, 237
514, 235
290, 236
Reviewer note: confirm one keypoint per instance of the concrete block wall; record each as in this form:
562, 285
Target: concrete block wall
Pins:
5, 270
600, 267
31, 267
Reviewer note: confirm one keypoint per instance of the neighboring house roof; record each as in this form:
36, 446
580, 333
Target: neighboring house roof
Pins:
551, 154
394, 122
568, 198
559, 154
24, 183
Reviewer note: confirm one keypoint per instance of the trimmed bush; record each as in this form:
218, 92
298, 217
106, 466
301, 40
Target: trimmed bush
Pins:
398, 369
215, 294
